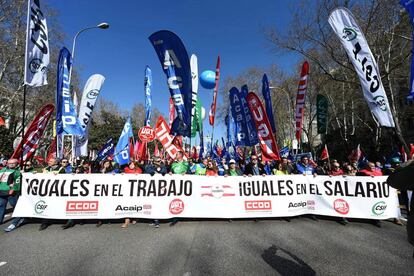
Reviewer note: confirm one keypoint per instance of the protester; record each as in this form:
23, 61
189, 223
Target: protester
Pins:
53, 167
179, 166
281, 168
64, 163
222, 167
211, 169
28, 166
304, 167
233, 170
133, 168
336, 169
253, 168
370, 170
200, 168
107, 167
155, 167
9, 191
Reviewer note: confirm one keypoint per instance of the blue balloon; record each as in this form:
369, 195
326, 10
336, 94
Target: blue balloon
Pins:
207, 79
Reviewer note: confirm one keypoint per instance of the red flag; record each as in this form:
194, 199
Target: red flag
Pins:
156, 150
324, 154
264, 131
194, 154
131, 148
172, 112
34, 133
411, 151
212, 113
403, 154
52, 150
355, 155
142, 151
162, 132
2, 123
300, 99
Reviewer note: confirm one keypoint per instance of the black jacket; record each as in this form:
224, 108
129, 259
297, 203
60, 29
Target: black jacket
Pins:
249, 169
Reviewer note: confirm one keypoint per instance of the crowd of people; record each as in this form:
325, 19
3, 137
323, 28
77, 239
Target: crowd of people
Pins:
10, 174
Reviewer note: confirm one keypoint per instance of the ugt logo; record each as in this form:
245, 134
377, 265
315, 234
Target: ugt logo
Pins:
349, 33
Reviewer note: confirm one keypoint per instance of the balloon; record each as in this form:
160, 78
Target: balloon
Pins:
207, 79
203, 113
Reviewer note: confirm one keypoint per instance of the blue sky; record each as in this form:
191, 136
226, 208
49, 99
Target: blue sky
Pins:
231, 29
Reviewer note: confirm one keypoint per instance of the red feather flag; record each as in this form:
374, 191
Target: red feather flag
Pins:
300, 99
264, 131
212, 113
34, 133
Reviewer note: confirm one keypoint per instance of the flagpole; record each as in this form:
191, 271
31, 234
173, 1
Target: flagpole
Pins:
23, 123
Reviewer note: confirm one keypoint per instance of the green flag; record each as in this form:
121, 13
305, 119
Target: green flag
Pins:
322, 113
197, 123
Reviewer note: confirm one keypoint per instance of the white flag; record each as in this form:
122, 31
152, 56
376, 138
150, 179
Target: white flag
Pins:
37, 46
344, 24
89, 96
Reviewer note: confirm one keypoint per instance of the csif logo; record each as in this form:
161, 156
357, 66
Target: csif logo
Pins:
379, 208
349, 33
40, 207
92, 94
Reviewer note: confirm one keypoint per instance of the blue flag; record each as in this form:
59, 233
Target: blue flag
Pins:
268, 102
147, 85
409, 6
251, 127
284, 152
176, 65
241, 134
106, 150
66, 118
122, 147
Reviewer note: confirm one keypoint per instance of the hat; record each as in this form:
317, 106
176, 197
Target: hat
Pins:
232, 161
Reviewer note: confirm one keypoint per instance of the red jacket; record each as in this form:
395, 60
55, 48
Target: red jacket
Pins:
136, 170
370, 173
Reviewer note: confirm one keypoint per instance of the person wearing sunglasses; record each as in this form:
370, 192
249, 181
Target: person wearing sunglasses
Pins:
336, 169
254, 168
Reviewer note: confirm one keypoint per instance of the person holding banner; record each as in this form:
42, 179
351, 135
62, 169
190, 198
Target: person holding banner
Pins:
253, 168
179, 166
53, 167
200, 168
233, 170
9, 191
304, 167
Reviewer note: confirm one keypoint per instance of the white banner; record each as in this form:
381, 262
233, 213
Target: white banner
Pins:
346, 28
144, 196
89, 96
37, 46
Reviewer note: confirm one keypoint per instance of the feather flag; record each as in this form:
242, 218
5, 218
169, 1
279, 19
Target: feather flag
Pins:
148, 100
268, 102
122, 147
33, 134
300, 99
264, 130
37, 46
194, 86
212, 113
176, 65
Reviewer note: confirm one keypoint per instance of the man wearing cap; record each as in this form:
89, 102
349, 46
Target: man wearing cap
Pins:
233, 170
9, 191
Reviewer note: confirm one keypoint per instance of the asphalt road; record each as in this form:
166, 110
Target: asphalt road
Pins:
242, 247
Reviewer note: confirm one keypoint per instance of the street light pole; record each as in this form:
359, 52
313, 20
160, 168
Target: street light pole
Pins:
99, 26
